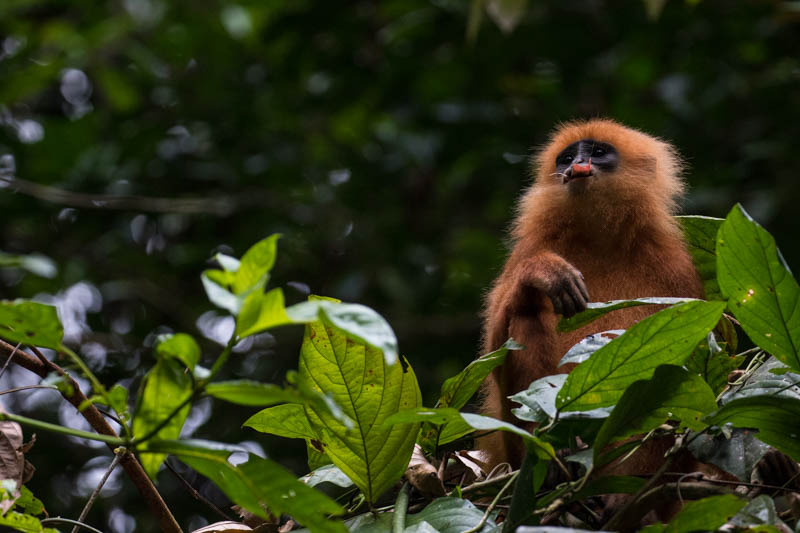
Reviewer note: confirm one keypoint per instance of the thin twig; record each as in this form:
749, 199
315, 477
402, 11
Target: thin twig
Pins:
114, 462
8, 361
195, 494
45, 361
480, 485
59, 520
489, 509
28, 387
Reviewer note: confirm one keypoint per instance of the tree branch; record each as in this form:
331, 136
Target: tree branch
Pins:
98, 422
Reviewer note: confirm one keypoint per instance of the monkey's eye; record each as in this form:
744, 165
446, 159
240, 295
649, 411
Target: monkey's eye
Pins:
598, 152
566, 158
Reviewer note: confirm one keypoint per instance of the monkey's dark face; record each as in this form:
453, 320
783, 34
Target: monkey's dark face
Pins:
586, 158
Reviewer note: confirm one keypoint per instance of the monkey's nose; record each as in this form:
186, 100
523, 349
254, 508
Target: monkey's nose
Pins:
579, 171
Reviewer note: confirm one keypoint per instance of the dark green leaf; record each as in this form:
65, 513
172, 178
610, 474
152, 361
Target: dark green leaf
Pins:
711, 363
705, 515
539, 399
596, 310
671, 394
774, 417
457, 390
258, 481
30, 323
700, 234
762, 293
667, 337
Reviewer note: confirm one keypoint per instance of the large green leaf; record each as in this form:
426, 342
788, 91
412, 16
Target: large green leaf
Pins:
597, 309
712, 363
667, 337
671, 394
762, 293
30, 323
368, 390
256, 482
700, 234
774, 417
166, 386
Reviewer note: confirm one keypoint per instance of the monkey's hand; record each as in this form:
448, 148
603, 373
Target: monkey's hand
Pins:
550, 275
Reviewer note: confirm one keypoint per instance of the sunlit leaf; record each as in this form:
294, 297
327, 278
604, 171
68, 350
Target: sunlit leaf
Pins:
261, 312
180, 346
287, 420
457, 390
255, 265
667, 337
588, 345
166, 386
248, 392
30, 323
368, 390
762, 293
705, 515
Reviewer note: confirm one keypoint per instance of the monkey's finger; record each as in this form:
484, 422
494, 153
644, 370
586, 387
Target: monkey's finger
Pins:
575, 299
568, 303
579, 281
558, 306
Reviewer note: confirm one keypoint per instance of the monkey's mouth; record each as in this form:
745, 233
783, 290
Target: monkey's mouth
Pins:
572, 174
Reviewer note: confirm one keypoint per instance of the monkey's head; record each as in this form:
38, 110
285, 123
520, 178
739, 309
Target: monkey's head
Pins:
603, 163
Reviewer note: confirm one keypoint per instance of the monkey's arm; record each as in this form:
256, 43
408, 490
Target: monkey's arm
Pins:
525, 289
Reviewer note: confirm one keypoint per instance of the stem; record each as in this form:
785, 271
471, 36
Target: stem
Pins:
28, 387
96, 492
221, 360
46, 426
96, 385
10, 357
59, 520
492, 505
400, 509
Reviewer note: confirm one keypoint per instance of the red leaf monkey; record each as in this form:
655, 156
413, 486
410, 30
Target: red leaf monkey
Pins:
597, 223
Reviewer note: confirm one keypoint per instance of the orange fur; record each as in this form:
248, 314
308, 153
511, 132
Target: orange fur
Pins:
615, 228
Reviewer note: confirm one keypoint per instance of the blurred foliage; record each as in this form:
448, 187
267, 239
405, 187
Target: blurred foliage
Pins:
140, 137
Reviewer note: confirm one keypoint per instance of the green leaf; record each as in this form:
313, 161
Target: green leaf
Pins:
255, 265
539, 399
255, 482
595, 310
486, 423
359, 322
705, 515
700, 234
180, 346
29, 503
457, 390
450, 515
30, 323
118, 397
671, 394
759, 511
327, 474
584, 349
762, 294
774, 417
23, 522
711, 363
166, 386
261, 312
218, 294
610, 485
287, 420
368, 390
248, 392
667, 337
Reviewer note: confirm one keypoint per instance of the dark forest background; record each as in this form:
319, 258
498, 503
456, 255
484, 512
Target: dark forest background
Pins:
387, 141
